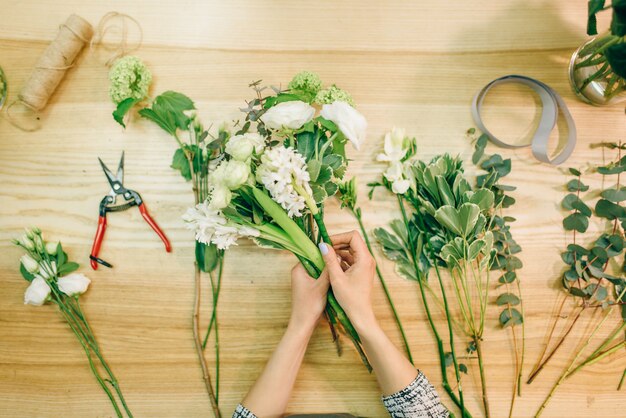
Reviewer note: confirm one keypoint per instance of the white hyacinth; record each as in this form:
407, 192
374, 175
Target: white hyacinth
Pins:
212, 227
283, 172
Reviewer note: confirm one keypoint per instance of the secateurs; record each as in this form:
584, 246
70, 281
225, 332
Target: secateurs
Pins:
109, 204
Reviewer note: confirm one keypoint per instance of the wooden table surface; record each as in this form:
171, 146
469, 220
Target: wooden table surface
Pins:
409, 64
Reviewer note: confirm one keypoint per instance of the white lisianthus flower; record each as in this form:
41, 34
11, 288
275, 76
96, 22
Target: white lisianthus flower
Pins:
211, 227
220, 197
29, 264
350, 122
283, 172
394, 148
73, 284
27, 242
291, 115
37, 293
51, 247
241, 147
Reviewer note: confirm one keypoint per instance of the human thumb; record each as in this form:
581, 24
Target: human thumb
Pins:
331, 261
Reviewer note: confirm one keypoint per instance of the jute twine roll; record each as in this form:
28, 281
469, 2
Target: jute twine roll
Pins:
73, 35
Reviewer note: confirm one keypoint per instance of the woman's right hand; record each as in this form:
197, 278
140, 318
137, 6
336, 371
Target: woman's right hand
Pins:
351, 269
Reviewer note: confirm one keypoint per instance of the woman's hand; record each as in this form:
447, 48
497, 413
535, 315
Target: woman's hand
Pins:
351, 269
308, 297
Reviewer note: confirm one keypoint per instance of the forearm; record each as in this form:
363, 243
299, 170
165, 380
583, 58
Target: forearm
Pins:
269, 395
393, 370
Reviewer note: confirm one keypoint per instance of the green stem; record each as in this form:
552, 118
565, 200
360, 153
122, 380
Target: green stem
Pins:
357, 215
420, 279
596, 358
621, 381
482, 375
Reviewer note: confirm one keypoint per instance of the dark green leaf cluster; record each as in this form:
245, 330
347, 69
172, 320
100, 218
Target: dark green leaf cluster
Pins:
618, 21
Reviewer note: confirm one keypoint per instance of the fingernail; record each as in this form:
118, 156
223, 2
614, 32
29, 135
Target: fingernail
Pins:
323, 248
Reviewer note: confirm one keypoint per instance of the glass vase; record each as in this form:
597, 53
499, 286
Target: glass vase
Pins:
591, 76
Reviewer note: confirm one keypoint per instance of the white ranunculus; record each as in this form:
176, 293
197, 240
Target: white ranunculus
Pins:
394, 146
400, 186
51, 247
29, 264
37, 293
350, 122
236, 174
292, 115
220, 197
241, 147
73, 284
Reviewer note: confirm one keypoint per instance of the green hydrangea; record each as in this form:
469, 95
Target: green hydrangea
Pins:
305, 84
332, 94
130, 78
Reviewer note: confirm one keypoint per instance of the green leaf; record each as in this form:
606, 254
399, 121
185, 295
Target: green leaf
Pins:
479, 148
282, 97
459, 221
306, 145
406, 270
484, 198
324, 175
25, 274
507, 298
574, 171
319, 193
313, 167
577, 249
510, 317
122, 108
331, 188
609, 210
576, 221
576, 185
462, 368
67, 268
601, 293
508, 277
614, 195
618, 22
568, 201
168, 111
180, 163
581, 207
207, 256
571, 275
387, 240
475, 248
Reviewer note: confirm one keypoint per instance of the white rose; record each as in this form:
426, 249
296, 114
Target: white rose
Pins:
51, 247
73, 284
29, 264
290, 115
394, 146
220, 197
236, 173
400, 186
350, 122
37, 293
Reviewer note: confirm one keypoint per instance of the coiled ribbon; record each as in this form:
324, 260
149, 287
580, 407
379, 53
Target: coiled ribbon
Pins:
551, 102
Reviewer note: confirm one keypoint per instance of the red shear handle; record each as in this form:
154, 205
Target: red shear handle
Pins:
97, 241
153, 225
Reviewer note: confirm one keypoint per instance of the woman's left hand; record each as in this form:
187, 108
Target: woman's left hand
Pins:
308, 297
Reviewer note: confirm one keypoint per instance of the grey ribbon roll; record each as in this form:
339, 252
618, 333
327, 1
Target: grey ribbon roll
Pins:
551, 102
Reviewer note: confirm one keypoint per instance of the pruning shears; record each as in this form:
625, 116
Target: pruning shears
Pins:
109, 204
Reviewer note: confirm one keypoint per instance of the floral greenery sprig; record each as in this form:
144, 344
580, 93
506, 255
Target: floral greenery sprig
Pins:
271, 184
586, 280
512, 314
606, 54
348, 199
47, 268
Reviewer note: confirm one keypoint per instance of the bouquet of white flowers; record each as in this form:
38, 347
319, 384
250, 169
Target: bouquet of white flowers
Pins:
45, 265
271, 182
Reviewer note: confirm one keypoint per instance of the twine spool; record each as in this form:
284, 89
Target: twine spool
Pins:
51, 67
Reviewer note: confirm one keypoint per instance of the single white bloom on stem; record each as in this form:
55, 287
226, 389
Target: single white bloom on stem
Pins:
29, 264
291, 115
51, 247
394, 172
220, 197
394, 146
37, 293
212, 227
350, 122
283, 172
73, 284
400, 186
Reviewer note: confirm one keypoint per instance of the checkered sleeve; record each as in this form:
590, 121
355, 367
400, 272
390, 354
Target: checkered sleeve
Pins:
242, 412
418, 400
